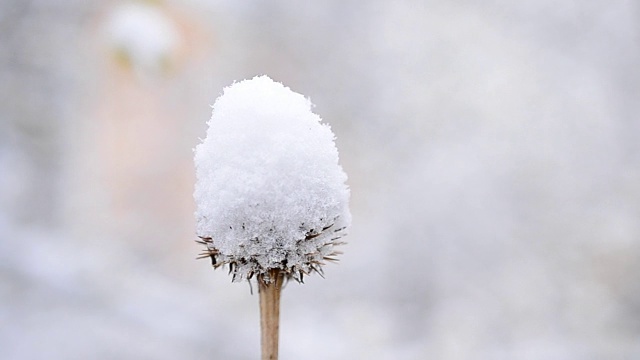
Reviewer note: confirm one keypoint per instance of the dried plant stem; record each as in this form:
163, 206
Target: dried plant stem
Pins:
270, 313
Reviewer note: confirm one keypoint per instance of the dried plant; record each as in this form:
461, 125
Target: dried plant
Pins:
272, 203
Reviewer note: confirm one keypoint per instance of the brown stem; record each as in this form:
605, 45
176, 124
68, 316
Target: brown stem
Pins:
270, 313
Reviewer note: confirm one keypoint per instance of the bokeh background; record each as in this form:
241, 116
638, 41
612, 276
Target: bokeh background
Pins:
492, 148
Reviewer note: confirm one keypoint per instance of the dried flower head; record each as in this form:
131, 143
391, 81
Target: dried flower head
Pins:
270, 192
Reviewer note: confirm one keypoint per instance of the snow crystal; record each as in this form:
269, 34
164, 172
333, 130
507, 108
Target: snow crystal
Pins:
270, 193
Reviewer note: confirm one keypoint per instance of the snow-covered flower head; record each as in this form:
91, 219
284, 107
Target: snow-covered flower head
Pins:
270, 192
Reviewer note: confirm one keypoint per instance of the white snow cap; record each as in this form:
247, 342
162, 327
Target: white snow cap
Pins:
270, 193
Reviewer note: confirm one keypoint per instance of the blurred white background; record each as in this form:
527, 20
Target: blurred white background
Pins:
492, 150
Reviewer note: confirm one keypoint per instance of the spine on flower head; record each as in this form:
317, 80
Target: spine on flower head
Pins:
270, 192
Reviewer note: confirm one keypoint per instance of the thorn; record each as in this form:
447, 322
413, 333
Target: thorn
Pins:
309, 237
327, 227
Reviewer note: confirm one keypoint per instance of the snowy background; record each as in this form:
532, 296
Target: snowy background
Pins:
492, 150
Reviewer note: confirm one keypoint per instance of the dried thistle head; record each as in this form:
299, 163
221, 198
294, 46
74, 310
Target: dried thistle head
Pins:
313, 257
270, 192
